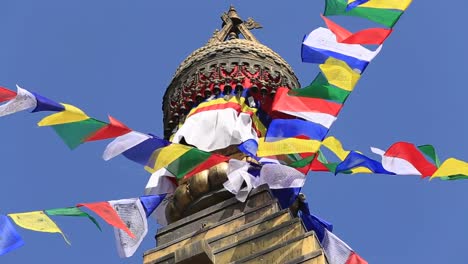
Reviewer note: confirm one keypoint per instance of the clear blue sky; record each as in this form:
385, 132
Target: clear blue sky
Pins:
117, 57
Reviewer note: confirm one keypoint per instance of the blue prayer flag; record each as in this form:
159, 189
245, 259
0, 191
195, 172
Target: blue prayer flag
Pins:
9, 238
355, 160
288, 128
142, 152
312, 222
151, 202
45, 104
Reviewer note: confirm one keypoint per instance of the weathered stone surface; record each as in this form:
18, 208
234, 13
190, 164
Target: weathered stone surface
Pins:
286, 251
223, 227
258, 242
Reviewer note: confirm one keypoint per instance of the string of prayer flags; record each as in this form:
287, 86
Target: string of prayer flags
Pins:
37, 221
370, 36
22, 101
9, 237
108, 214
385, 12
72, 211
321, 44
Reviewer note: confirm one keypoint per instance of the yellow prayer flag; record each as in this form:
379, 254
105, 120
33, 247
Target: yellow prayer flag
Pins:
451, 167
71, 114
335, 146
287, 146
339, 74
37, 221
163, 157
386, 4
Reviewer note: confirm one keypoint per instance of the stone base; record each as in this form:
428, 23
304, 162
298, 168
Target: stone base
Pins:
256, 231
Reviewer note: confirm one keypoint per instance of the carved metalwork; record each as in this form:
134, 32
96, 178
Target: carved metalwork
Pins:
224, 64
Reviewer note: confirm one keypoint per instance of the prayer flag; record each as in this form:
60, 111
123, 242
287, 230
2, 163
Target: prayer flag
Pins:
46, 104
123, 143
370, 36
321, 44
356, 160
69, 115
379, 13
287, 146
73, 134
312, 222
142, 152
452, 168
162, 157
6, 94
339, 74
321, 88
335, 146
405, 158
114, 129
313, 109
338, 252
37, 221
194, 161
287, 128
160, 182
22, 101
108, 214
133, 215
9, 238
151, 202
72, 211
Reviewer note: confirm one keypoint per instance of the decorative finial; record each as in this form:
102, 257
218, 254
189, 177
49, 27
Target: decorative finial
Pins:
233, 25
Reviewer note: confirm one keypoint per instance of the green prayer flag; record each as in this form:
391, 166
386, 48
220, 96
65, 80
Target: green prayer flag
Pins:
72, 211
320, 88
73, 134
387, 17
187, 162
429, 150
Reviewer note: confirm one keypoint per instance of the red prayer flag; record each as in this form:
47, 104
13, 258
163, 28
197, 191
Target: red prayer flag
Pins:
355, 259
413, 155
370, 36
106, 212
114, 129
6, 94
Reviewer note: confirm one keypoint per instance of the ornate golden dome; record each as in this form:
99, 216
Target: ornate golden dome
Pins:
226, 63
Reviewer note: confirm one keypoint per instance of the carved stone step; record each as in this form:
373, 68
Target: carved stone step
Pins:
260, 241
213, 215
250, 229
287, 251
226, 226
316, 257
